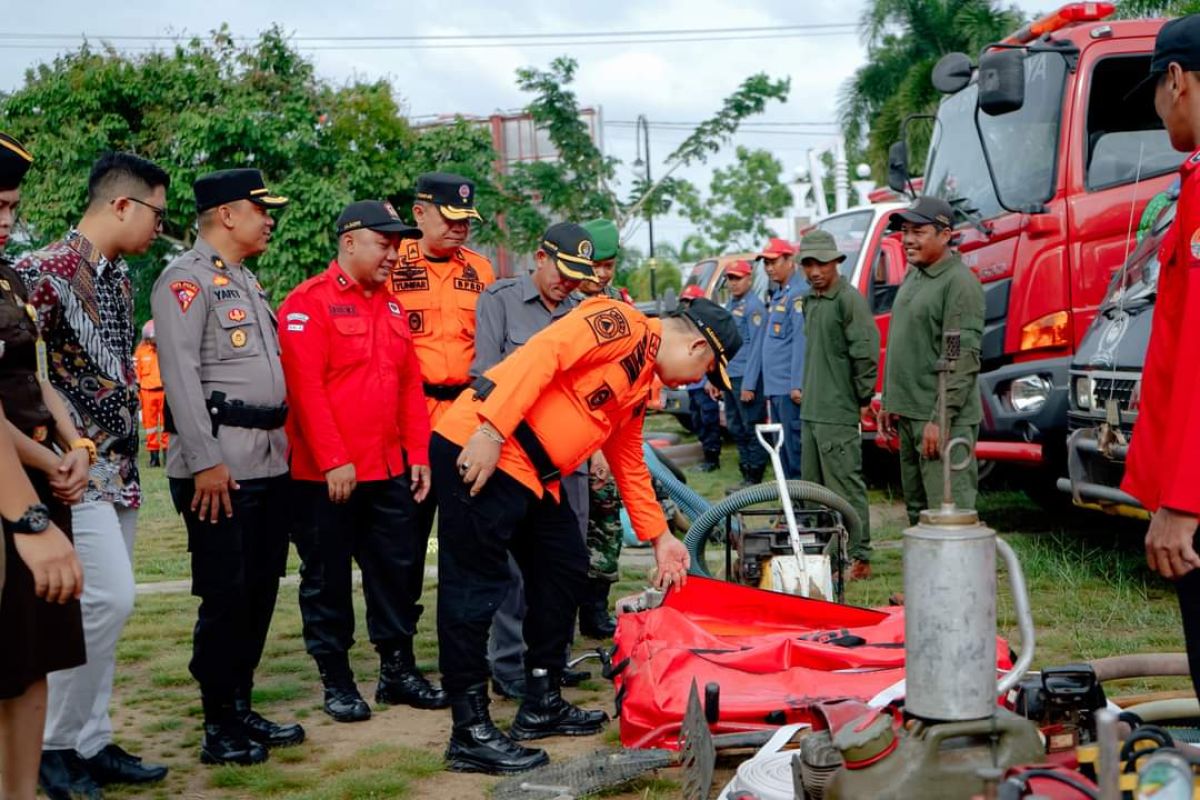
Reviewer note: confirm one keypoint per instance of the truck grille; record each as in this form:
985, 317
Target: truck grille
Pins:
1119, 389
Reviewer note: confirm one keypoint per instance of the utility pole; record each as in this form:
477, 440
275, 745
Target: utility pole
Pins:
644, 128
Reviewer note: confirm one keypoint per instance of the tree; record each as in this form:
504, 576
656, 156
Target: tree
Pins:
1132, 9
742, 196
211, 104
905, 39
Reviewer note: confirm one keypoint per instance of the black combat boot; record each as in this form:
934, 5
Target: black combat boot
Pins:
477, 745
711, 463
262, 730
154, 462
755, 475
225, 740
401, 683
594, 621
544, 712
342, 700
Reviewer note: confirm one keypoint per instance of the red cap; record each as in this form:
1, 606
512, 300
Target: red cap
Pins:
778, 247
739, 268
691, 292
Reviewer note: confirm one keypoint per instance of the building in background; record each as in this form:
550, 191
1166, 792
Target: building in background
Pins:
516, 139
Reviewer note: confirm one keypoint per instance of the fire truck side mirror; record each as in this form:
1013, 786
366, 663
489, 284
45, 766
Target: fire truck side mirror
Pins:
952, 72
898, 167
1001, 81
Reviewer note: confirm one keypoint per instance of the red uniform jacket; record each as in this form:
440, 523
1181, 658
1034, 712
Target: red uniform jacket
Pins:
1164, 456
354, 384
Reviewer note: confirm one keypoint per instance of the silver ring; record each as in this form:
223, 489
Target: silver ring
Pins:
464, 466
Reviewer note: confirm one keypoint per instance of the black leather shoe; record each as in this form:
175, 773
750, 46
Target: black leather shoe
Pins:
509, 689
708, 466
63, 775
573, 677
401, 683
342, 699
544, 712
114, 765
227, 743
477, 745
345, 704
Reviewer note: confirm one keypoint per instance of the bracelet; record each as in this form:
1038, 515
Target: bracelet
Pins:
489, 433
86, 444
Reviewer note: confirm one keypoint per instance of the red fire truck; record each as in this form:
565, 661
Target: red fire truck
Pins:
1048, 166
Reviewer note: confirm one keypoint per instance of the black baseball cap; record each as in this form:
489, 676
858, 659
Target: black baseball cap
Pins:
453, 194
717, 327
231, 185
14, 162
571, 248
374, 215
925, 210
1178, 42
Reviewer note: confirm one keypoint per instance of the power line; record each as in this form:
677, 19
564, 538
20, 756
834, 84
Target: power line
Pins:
452, 37
541, 42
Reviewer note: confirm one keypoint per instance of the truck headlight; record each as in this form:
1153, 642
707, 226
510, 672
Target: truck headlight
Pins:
1084, 394
1029, 393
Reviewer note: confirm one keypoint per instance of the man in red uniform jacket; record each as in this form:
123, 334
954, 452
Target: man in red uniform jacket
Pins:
359, 476
1164, 456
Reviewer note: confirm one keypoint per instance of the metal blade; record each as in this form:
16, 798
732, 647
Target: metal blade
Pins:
600, 771
699, 752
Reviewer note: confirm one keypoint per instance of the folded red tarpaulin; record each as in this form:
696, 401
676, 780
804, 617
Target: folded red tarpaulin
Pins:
774, 656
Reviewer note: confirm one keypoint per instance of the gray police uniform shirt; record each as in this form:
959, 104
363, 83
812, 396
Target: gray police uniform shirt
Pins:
217, 333
508, 314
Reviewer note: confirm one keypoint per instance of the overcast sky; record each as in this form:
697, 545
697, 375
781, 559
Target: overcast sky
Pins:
679, 81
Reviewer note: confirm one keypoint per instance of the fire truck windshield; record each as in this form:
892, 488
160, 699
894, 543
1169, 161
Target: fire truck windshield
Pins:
1022, 145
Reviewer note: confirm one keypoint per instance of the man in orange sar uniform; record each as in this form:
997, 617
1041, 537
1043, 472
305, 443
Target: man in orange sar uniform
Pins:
580, 385
150, 393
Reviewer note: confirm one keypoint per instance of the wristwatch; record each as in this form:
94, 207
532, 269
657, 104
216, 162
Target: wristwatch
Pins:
35, 520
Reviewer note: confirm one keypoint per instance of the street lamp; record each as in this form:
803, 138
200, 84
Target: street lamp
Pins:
643, 127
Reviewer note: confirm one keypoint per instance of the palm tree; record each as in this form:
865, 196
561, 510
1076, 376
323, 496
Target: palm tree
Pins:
904, 39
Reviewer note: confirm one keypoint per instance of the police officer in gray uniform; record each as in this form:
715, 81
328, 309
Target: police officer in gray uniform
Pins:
227, 461
508, 314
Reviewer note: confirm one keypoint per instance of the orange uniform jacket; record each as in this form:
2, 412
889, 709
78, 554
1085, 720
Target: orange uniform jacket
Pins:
343, 352
582, 384
1164, 455
439, 298
145, 358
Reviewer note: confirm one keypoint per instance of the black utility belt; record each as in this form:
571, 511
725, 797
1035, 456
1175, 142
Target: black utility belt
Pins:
445, 391
236, 414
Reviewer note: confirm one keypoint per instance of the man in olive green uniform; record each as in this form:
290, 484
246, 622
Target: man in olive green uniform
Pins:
841, 362
939, 294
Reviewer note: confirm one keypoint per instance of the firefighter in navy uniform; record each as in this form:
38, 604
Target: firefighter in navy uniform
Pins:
227, 460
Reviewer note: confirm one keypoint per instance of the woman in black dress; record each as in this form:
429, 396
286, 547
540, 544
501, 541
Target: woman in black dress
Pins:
40, 626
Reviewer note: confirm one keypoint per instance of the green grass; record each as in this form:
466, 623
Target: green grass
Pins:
1091, 593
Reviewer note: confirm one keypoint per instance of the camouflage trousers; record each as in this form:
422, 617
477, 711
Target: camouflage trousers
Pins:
605, 533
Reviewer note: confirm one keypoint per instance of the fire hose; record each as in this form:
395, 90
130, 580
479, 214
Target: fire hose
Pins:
800, 492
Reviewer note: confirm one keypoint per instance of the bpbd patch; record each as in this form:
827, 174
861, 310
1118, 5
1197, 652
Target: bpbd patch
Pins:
608, 325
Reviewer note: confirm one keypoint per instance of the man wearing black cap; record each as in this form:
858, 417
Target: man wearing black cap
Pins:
227, 461
498, 456
510, 312
358, 478
1163, 462
939, 295
438, 281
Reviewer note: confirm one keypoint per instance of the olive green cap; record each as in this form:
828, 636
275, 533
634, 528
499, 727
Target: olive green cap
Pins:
606, 241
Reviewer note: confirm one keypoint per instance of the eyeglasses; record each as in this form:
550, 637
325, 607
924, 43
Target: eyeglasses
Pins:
160, 214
